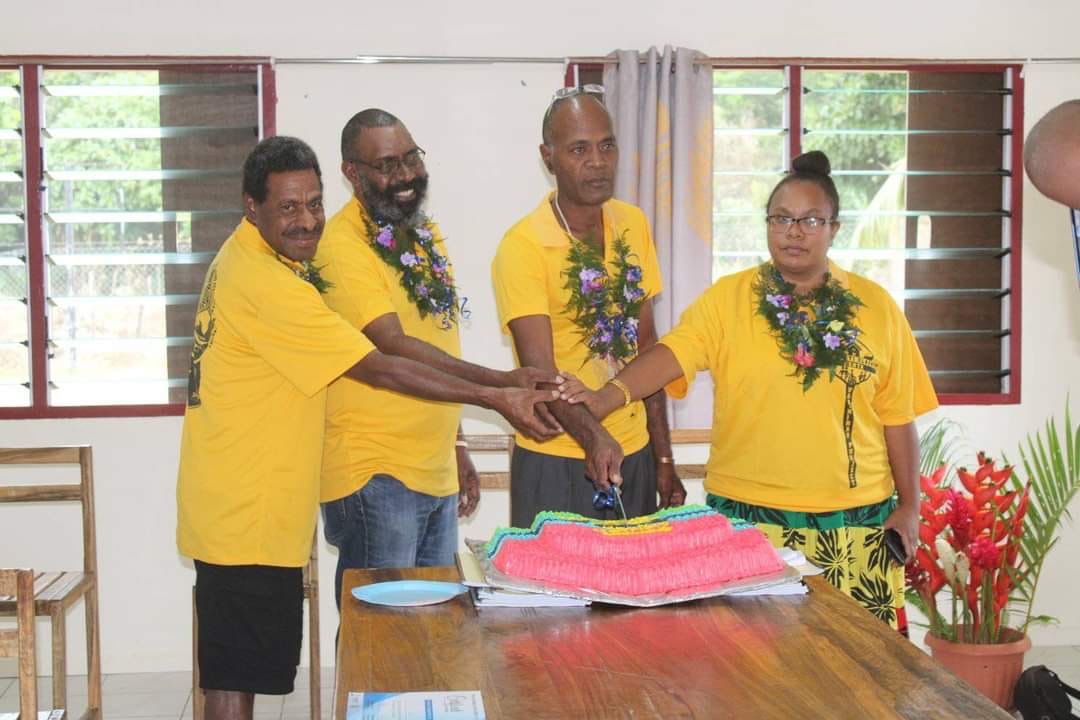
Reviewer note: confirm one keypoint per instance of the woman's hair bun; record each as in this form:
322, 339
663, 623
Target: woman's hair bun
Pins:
814, 162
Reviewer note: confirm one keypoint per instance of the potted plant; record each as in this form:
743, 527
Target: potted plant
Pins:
983, 538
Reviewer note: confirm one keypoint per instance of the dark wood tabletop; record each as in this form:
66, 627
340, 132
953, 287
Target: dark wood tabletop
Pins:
818, 655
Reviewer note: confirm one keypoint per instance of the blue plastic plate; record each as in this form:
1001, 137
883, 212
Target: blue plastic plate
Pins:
408, 593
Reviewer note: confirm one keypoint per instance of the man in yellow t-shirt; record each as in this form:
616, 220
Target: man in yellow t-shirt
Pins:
394, 479
552, 269
265, 348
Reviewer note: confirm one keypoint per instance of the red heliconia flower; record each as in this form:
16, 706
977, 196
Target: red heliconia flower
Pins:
928, 564
981, 522
1001, 531
1021, 511
967, 479
931, 487
1002, 584
998, 477
1011, 551
984, 554
1002, 588
1004, 500
926, 534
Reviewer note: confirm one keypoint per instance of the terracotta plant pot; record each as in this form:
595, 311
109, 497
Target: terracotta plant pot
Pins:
990, 669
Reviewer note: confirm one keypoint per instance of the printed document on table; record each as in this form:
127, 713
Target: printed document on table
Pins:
461, 705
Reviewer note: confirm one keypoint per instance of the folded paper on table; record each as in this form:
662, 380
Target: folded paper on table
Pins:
460, 705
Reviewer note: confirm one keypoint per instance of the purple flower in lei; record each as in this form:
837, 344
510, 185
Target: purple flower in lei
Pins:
633, 274
782, 317
409, 259
385, 237
423, 233
633, 293
780, 301
592, 280
831, 341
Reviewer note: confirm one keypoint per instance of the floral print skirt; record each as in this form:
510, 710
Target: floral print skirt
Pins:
848, 545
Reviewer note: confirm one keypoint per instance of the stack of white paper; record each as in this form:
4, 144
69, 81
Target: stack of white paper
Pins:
498, 597
486, 595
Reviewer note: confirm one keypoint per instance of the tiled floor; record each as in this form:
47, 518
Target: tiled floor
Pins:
168, 695
143, 696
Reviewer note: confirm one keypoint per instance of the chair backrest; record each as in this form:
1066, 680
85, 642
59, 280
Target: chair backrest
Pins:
19, 641
83, 492
493, 479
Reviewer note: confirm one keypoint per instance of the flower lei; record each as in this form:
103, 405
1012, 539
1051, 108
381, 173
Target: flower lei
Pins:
605, 308
308, 272
816, 338
425, 273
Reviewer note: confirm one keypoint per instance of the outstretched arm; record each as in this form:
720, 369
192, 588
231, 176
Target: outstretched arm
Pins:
389, 337
603, 456
412, 378
650, 371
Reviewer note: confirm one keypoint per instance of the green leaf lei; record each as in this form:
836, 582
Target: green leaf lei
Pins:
425, 275
814, 331
605, 308
308, 272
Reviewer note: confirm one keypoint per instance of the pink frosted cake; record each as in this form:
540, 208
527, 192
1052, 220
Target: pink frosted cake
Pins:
672, 551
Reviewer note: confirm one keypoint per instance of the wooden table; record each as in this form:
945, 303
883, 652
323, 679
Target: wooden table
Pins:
812, 656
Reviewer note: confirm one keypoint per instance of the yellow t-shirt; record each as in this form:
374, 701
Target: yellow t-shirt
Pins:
266, 346
528, 273
773, 444
370, 430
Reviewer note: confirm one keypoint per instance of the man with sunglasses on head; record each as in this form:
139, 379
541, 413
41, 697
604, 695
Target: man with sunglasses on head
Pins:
574, 282
396, 472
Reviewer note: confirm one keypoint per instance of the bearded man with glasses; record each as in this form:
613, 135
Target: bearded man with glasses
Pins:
396, 470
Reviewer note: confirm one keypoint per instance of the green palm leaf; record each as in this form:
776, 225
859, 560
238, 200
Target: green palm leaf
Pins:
938, 445
1051, 463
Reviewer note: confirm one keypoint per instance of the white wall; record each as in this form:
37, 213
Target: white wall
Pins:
479, 125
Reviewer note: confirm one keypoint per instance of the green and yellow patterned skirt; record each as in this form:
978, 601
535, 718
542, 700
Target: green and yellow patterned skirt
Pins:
848, 545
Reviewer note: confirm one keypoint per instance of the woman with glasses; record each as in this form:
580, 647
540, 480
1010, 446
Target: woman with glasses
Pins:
818, 381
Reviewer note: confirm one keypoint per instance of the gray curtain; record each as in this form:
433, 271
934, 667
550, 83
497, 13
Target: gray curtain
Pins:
662, 106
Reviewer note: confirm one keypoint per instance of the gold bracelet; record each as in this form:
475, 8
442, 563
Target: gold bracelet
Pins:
625, 390
665, 460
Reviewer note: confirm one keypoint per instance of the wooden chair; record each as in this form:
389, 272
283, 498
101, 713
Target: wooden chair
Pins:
55, 592
493, 479
18, 585
311, 593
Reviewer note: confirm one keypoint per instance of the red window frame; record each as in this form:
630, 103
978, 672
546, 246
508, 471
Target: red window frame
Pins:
38, 337
1016, 185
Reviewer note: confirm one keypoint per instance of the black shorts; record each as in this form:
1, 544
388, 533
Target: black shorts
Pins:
250, 627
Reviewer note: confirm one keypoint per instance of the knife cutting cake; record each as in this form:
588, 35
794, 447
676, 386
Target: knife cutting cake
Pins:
674, 550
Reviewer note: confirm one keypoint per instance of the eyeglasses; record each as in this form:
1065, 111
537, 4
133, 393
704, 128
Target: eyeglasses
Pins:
808, 224
568, 92
388, 167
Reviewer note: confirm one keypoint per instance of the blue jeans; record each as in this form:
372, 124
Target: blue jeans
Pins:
386, 525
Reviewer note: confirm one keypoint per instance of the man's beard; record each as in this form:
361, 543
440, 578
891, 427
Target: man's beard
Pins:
383, 206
